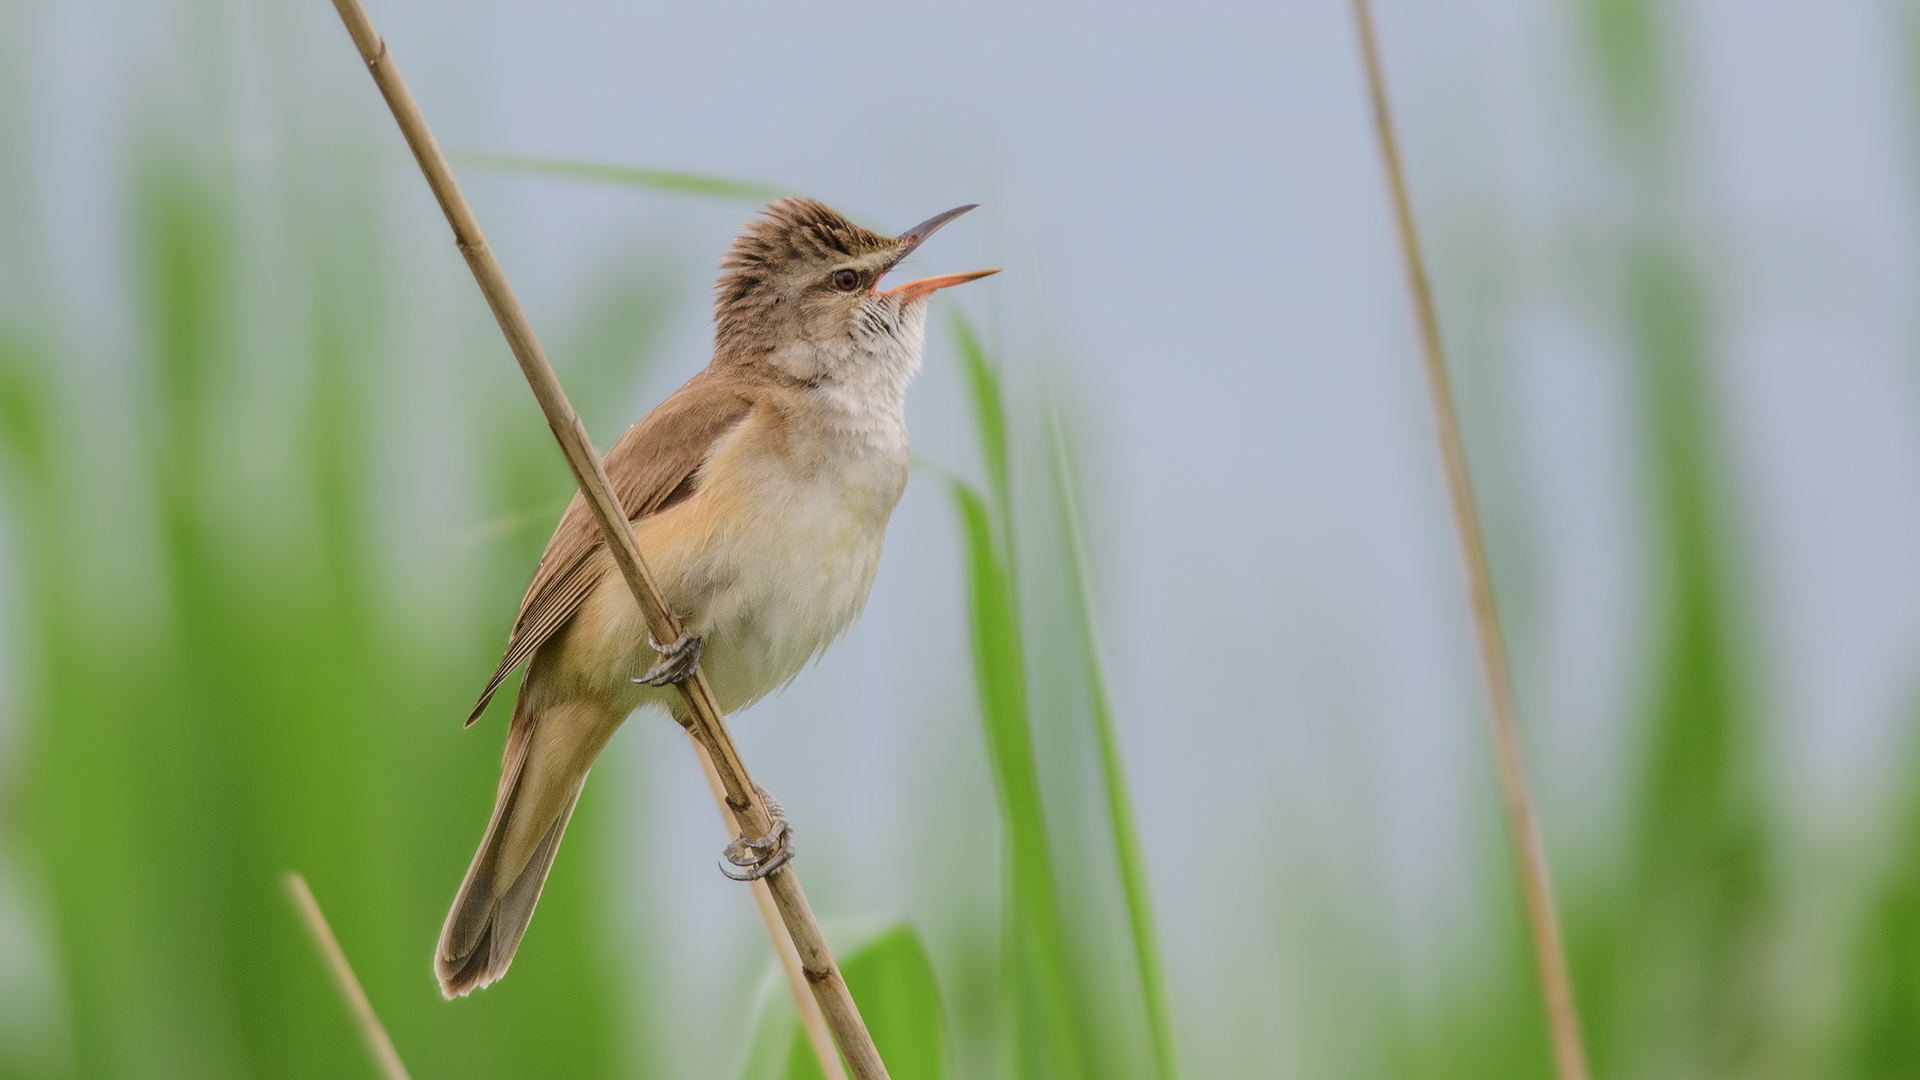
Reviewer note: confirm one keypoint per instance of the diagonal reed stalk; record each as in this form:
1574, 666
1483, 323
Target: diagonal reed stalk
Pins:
706, 722
811, 1022
1563, 1020
385, 1057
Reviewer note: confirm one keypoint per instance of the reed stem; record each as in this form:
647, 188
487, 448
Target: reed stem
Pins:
385, 1057
705, 720
1563, 1019
814, 1024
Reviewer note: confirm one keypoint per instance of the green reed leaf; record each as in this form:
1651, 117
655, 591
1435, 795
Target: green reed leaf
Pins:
1047, 1041
1126, 841
668, 180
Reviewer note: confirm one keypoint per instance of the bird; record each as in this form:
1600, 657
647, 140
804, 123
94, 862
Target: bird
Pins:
759, 494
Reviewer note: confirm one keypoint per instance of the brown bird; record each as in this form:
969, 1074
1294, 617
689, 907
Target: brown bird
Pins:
759, 493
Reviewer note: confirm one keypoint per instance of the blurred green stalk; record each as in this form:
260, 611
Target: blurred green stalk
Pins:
1680, 962
668, 180
1047, 1041
1126, 842
1878, 1035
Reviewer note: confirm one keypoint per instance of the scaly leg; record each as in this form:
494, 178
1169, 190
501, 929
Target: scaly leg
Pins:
766, 855
677, 662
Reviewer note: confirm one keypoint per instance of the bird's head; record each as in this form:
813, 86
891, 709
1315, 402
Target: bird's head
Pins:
799, 290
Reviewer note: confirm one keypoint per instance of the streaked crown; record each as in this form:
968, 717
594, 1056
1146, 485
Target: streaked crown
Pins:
803, 278
790, 237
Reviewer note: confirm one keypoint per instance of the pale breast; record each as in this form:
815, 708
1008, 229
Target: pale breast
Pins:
791, 567
773, 558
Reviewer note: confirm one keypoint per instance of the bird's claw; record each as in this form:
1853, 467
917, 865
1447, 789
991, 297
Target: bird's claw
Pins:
765, 855
677, 662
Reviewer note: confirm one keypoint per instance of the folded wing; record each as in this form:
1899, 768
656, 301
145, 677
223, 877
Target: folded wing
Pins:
653, 466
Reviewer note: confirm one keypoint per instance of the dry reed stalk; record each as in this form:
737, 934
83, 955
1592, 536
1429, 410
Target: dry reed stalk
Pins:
1563, 1019
706, 722
385, 1057
811, 1021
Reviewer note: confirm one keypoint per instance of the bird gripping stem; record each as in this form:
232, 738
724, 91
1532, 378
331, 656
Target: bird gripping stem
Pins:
706, 721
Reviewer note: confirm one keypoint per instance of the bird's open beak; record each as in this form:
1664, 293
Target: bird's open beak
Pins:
919, 233
914, 290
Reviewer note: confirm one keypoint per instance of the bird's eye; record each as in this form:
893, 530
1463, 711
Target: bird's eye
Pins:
844, 280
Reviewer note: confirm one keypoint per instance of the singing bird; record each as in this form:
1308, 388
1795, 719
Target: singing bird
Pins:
759, 493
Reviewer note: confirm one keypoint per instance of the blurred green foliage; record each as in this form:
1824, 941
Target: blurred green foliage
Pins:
678, 183
1062, 1013
1879, 1033
1675, 941
249, 704
1039, 999
1119, 805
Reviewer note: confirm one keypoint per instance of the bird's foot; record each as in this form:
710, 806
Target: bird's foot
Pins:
767, 855
677, 662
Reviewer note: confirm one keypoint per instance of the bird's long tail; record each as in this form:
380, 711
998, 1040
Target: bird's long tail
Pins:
543, 771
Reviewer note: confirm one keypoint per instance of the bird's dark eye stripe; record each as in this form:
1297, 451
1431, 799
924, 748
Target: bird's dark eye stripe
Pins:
845, 280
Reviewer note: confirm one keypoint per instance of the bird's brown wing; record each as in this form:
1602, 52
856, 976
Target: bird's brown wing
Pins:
652, 467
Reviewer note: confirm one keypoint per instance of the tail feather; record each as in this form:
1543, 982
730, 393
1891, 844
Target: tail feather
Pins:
551, 745
488, 920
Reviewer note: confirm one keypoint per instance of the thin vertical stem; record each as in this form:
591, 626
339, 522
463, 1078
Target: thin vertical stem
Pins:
1563, 1019
385, 1057
705, 720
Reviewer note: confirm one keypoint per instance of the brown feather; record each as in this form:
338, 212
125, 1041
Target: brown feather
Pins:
652, 466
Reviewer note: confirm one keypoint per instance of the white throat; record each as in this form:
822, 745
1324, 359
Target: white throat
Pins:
864, 377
